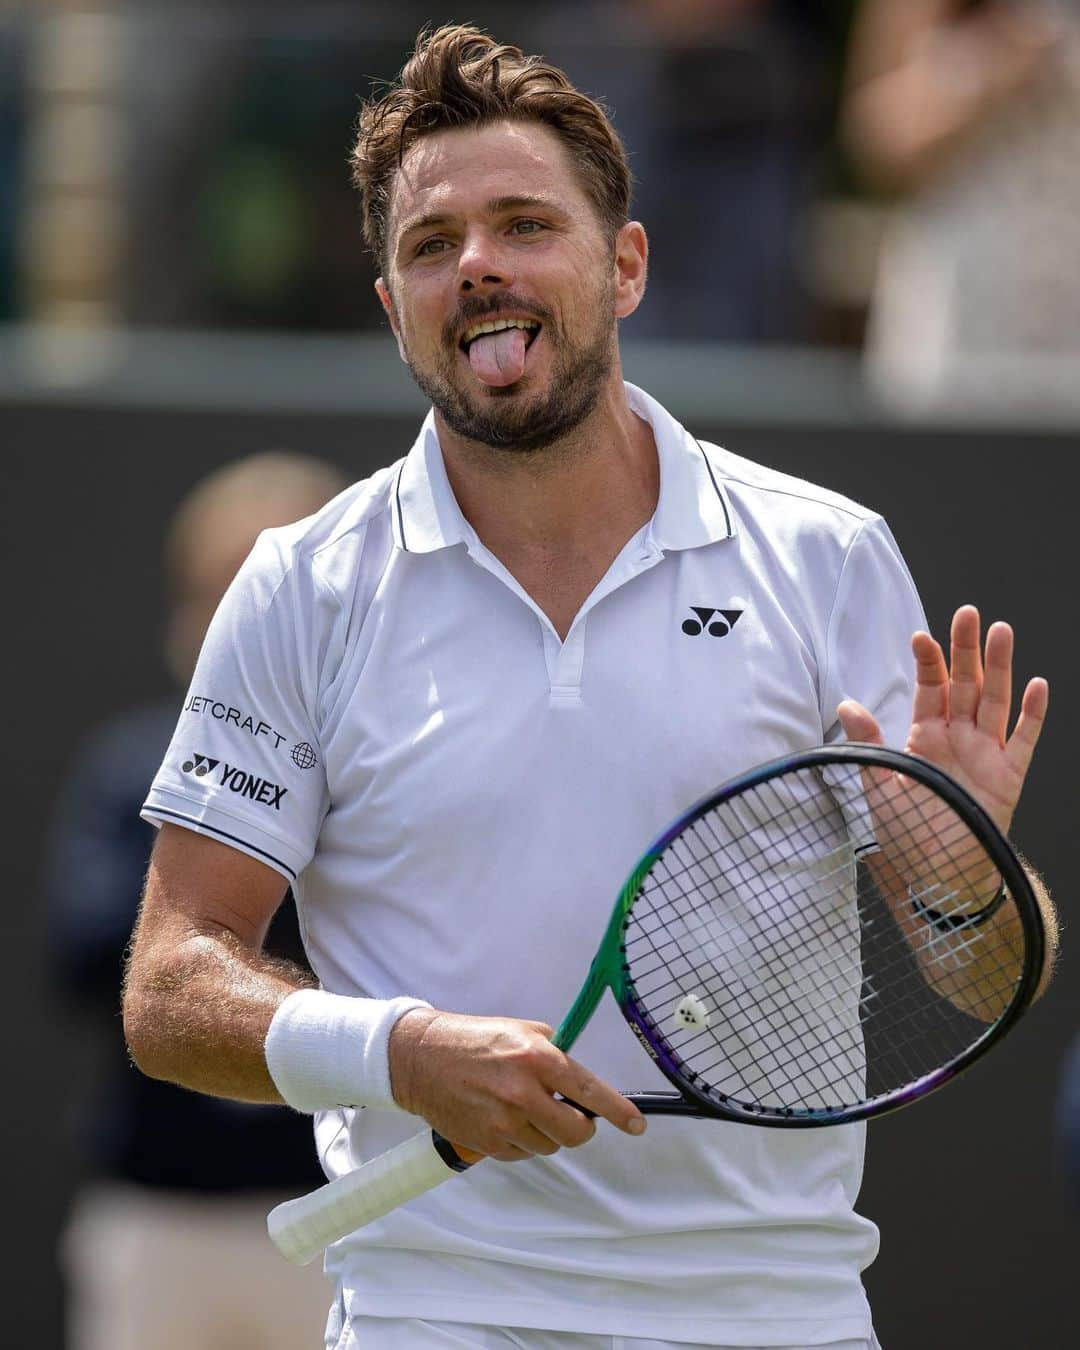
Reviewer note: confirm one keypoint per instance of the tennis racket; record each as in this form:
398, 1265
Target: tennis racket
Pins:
828, 937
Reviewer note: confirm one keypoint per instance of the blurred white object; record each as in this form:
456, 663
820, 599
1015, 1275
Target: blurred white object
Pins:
977, 300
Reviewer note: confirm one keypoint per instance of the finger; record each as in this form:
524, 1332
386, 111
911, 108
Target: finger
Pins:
573, 1080
1021, 744
517, 1133
931, 680
965, 665
563, 1123
859, 723
996, 698
510, 1152
533, 1140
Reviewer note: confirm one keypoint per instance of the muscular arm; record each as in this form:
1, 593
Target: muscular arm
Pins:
199, 992
200, 995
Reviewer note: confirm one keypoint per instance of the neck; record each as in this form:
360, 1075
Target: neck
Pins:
590, 491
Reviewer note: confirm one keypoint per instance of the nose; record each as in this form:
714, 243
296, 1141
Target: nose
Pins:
482, 264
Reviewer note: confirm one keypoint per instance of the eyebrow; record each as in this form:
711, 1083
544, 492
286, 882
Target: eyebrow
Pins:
496, 206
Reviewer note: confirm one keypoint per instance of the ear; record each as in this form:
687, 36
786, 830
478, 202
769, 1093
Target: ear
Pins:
383, 292
631, 266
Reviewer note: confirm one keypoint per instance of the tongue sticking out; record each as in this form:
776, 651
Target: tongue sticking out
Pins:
498, 358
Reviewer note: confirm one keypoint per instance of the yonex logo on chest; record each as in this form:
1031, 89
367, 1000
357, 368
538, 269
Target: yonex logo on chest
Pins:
705, 622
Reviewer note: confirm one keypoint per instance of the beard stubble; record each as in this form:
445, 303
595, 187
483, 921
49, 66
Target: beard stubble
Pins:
508, 418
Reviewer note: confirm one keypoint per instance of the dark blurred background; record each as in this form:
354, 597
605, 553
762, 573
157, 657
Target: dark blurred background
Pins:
865, 271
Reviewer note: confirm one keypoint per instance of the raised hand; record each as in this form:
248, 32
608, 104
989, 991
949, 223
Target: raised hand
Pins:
960, 719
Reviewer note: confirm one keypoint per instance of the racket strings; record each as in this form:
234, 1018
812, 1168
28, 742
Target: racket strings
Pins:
835, 974
750, 1026
776, 950
789, 1042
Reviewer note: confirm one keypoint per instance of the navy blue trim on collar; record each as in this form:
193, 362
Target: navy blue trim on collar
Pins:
716, 486
400, 514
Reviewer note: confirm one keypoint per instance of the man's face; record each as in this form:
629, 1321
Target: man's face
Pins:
491, 225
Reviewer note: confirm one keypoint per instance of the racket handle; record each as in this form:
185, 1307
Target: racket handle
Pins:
302, 1228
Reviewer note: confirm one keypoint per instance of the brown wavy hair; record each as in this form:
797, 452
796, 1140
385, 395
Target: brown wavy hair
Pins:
458, 76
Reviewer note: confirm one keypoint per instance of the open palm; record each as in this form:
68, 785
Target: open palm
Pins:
960, 718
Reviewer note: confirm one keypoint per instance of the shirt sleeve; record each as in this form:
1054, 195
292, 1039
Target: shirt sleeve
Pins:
245, 765
868, 641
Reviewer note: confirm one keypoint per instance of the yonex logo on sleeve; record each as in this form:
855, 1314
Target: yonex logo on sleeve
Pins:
241, 782
718, 628
199, 765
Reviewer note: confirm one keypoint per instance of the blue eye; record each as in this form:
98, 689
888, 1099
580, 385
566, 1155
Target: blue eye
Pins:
527, 226
430, 247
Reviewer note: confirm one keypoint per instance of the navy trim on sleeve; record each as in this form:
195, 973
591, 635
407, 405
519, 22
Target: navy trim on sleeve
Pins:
213, 829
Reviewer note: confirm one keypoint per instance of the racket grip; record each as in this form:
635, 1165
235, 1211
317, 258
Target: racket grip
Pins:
302, 1228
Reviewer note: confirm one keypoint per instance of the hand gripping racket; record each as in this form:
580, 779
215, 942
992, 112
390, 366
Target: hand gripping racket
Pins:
828, 937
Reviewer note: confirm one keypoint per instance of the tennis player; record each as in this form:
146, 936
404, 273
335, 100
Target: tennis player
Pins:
450, 710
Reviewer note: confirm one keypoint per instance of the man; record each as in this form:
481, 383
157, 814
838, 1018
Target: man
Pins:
466, 699
165, 1246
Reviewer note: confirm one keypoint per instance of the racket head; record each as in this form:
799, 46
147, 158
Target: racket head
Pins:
861, 966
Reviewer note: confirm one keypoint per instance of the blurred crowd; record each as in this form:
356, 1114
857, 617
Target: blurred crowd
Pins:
185, 163
890, 175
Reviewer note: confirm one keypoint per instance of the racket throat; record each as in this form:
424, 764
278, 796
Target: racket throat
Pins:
605, 970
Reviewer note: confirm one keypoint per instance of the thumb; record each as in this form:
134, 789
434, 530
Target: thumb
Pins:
858, 723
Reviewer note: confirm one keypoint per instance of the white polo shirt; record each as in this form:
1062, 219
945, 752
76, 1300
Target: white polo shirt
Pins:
382, 714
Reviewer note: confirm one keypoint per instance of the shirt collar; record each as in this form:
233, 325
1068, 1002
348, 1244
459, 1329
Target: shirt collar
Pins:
426, 514
693, 508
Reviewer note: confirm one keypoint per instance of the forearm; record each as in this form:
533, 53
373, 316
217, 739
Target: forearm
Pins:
199, 1015
986, 988
974, 966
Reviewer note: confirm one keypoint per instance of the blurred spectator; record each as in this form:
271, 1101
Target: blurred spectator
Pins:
725, 107
166, 1245
967, 115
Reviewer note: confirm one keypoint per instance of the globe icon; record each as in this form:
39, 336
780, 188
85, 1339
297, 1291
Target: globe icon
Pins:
303, 756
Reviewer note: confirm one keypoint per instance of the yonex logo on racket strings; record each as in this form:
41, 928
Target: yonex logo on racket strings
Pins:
705, 622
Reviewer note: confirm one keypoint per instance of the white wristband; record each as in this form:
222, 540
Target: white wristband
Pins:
325, 1050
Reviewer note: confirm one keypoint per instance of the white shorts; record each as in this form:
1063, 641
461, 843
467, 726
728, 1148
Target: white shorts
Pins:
385, 1333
